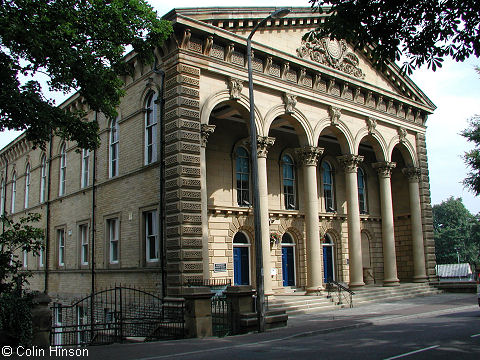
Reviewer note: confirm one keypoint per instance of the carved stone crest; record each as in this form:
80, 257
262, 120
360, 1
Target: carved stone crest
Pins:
235, 87
335, 114
331, 52
371, 125
402, 134
206, 131
290, 101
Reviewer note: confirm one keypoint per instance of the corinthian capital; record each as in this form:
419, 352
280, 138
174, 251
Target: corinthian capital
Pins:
350, 162
308, 155
384, 168
412, 173
263, 144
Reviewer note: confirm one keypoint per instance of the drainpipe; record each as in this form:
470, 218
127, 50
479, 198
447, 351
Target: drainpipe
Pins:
161, 187
92, 227
47, 213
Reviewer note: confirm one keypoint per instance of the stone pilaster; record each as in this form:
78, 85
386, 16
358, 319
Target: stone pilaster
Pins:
263, 144
384, 170
350, 165
308, 157
183, 177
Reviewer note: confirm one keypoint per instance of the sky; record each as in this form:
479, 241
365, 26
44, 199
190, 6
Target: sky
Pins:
454, 89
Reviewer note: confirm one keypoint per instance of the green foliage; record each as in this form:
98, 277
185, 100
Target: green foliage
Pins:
16, 317
80, 45
455, 228
425, 31
17, 237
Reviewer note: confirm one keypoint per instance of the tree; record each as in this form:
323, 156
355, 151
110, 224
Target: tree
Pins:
455, 228
80, 45
425, 31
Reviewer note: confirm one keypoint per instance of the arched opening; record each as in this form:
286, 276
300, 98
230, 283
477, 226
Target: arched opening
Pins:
328, 259
241, 259
288, 260
368, 276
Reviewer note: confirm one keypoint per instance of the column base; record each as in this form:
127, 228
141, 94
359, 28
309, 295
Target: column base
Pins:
356, 285
394, 282
420, 279
314, 290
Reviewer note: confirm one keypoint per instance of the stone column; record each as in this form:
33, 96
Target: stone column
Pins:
350, 165
308, 157
206, 130
419, 274
384, 170
198, 312
263, 144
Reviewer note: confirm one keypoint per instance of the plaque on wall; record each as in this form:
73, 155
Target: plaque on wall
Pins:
220, 267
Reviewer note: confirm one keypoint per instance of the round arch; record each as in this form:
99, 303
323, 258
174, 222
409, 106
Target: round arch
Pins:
376, 141
406, 149
340, 130
150, 87
299, 121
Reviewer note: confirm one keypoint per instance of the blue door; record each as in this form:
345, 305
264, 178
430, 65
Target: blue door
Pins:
327, 263
240, 266
288, 265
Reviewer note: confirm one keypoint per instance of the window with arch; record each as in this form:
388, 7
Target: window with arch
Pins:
150, 129
2, 204
241, 259
27, 186
113, 149
85, 167
362, 191
288, 169
327, 181
14, 192
242, 167
63, 170
43, 178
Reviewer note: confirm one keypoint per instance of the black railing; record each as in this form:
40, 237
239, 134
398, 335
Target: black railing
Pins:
341, 292
217, 286
114, 315
222, 316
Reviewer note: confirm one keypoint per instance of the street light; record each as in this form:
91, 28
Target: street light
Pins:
260, 301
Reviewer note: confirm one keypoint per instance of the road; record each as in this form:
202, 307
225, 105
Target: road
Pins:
440, 327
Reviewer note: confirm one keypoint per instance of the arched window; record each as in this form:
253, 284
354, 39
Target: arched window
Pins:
14, 192
63, 170
2, 204
362, 191
43, 178
85, 167
241, 259
27, 186
288, 182
327, 181
243, 177
150, 129
113, 149
288, 260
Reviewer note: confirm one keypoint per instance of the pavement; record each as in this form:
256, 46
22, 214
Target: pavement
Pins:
298, 326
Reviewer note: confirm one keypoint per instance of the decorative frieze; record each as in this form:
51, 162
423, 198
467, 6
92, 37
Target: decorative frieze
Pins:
384, 168
350, 162
308, 155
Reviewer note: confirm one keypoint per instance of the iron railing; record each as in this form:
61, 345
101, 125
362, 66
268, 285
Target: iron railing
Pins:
341, 292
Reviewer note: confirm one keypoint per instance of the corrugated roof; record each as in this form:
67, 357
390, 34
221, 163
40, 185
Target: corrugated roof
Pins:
454, 270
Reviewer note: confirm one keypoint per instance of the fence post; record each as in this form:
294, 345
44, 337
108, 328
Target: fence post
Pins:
241, 298
41, 321
198, 312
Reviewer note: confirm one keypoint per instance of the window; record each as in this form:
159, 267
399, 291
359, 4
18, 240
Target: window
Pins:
63, 170
85, 170
362, 196
151, 236
150, 129
25, 259
61, 247
27, 186
40, 257
113, 160
43, 178
14, 192
2, 204
112, 228
243, 177
83, 232
328, 187
288, 182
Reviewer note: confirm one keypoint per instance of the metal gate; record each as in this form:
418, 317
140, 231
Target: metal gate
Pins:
115, 315
222, 316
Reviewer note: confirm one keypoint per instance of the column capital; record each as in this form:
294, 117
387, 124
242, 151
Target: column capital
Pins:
350, 162
308, 155
263, 145
206, 131
413, 173
384, 168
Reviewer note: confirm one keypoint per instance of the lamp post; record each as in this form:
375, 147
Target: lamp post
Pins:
260, 301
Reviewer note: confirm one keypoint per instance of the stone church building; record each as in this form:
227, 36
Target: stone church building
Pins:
342, 168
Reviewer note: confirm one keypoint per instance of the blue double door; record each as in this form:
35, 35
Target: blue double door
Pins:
288, 266
327, 263
241, 267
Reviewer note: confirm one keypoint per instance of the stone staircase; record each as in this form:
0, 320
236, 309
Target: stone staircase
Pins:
298, 303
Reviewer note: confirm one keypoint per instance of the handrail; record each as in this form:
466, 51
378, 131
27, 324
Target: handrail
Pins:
331, 284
